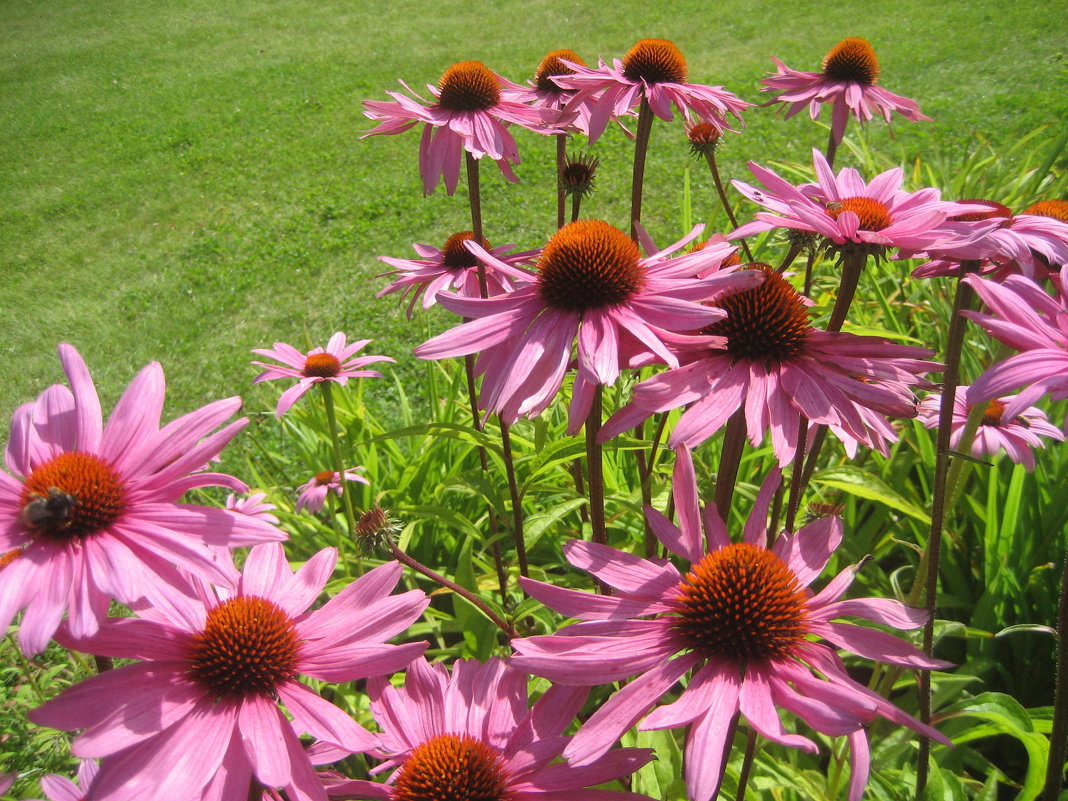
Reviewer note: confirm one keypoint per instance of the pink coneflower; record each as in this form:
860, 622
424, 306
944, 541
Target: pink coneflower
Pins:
470, 735
777, 367
335, 363
593, 286
1026, 319
201, 707
739, 623
1031, 242
454, 267
92, 512
60, 788
654, 70
1018, 436
853, 214
313, 492
545, 92
255, 505
848, 81
471, 110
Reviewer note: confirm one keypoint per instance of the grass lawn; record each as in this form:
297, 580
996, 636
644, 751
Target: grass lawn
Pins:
184, 182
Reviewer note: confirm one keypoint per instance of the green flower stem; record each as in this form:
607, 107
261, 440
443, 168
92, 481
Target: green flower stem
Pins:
27, 669
339, 465
641, 148
436, 577
1058, 737
832, 148
517, 506
729, 459
710, 157
561, 198
962, 300
576, 203
596, 468
747, 763
255, 789
474, 196
796, 482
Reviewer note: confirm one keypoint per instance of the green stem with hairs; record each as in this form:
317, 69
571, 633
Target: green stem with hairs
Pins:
595, 468
710, 157
1058, 737
641, 149
339, 465
747, 763
561, 157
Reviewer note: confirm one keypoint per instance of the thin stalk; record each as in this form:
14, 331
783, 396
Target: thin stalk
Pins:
474, 195
561, 156
651, 541
576, 203
595, 468
852, 266
728, 744
339, 465
433, 575
795, 478
641, 148
645, 469
710, 157
809, 262
729, 459
832, 148
255, 789
27, 669
513, 491
1058, 737
747, 763
962, 299
580, 487
791, 254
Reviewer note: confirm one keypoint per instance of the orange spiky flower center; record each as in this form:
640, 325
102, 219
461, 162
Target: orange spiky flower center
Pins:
873, 214
248, 646
324, 478
996, 210
469, 86
655, 61
589, 264
767, 323
552, 65
994, 410
852, 59
322, 365
741, 603
451, 767
1057, 209
455, 256
73, 495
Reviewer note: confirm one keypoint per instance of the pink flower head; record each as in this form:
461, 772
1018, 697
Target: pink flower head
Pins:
473, 726
92, 513
1026, 319
471, 110
848, 82
777, 367
653, 70
545, 92
454, 267
1032, 242
1018, 436
335, 363
199, 714
852, 213
255, 505
60, 788
591, 286
313, 492
738, 623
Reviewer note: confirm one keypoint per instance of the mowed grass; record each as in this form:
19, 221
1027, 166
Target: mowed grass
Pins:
184, 182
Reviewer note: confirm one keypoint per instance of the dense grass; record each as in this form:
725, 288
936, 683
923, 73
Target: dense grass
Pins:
184, 183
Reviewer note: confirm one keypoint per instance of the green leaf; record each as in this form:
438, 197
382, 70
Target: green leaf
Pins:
535, 525
870, 487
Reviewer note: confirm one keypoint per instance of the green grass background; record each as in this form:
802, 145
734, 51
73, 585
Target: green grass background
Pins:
184, 182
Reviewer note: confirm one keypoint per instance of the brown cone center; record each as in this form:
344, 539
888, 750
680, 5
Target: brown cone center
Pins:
469, 86
741, 603
73, 495
767, 323
589, 264
248, 647
455, 256
322, 365
853, 60
552, 65
655, 61
873, 214
996, 210
452, 767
